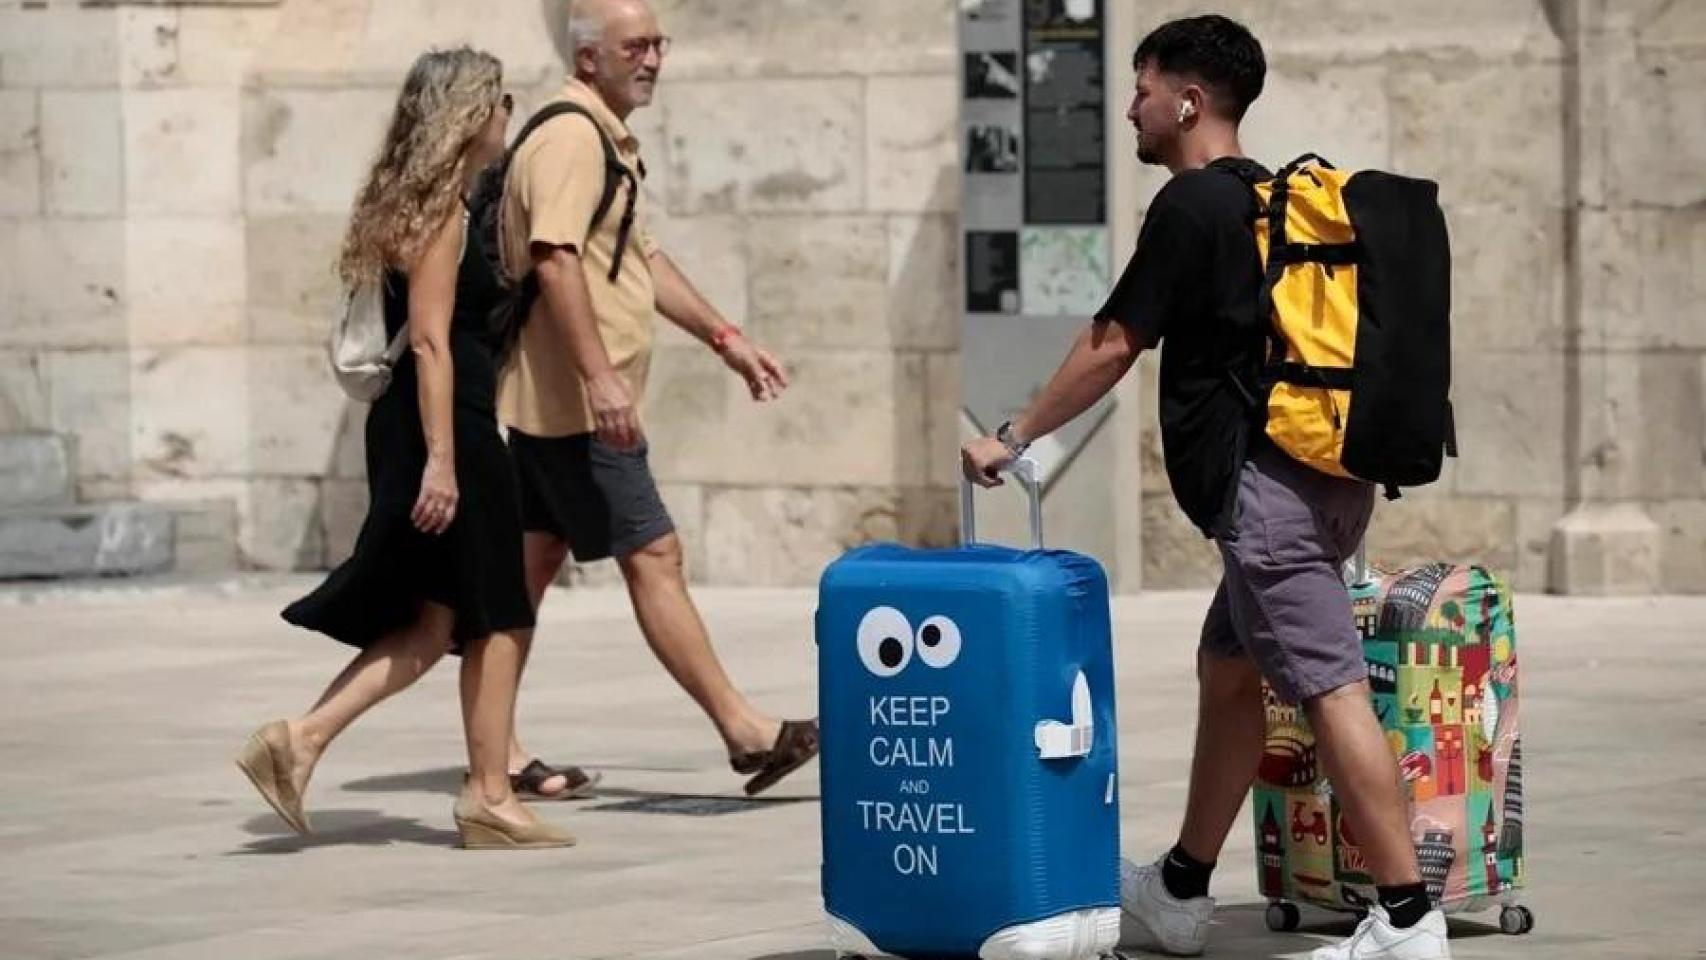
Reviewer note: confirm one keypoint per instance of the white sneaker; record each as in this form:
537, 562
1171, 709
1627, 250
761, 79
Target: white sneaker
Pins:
1180, 927
1377, 939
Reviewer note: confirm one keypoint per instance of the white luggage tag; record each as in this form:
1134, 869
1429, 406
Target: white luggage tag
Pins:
1063, 741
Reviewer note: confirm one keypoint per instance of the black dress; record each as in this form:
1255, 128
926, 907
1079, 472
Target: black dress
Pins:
475, 567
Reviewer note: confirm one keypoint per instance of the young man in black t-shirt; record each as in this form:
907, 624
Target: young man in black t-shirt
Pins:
1283, 529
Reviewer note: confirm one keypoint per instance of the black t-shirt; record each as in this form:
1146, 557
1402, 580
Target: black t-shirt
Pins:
1192, 286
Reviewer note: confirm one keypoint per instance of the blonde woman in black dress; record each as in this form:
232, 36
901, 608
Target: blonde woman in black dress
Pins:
438, 565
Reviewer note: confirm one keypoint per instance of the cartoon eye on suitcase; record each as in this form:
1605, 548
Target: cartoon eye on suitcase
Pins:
969, 792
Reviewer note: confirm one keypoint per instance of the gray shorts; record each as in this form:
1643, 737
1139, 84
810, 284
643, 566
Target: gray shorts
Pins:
602, 500
1282, 597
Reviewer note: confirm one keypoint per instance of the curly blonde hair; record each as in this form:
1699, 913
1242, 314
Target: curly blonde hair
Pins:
417, 180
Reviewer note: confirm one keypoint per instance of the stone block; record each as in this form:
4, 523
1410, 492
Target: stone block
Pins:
293, 289
181, 152
689, 394
148, 45
1603, 549
185, 280
1640, 285
799, 37
1534, 522
850, 418
343, 508
20, 153
85, 541
63, 285
1338, 112
392, 35
1507, 281
1175, 553
177, 432
728, 153
23, 393
306, 150
924, 282
711, 252
1668, 26
786, 536
219, 46
206, 537
1500, 151
1655, 153
1510, 422
819, 282
58, 45
1444, 530
350, 463
1641, 421
1362, 31
912, 155
280, 525
295, 413
90, 402
942, 402
82, 152
1671, 461
1151, 452
35, 470
1682, 527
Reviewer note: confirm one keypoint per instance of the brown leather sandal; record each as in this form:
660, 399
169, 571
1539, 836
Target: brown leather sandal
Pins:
795, 747
529, 784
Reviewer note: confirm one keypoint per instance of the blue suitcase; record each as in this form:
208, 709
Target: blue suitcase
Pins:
969, 758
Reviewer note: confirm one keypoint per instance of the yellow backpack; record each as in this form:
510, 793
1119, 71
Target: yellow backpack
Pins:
1358, 286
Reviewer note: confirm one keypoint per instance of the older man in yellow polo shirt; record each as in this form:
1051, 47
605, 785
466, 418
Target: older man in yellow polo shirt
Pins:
573, 213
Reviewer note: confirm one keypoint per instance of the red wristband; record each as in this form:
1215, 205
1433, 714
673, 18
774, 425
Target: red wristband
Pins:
720, 339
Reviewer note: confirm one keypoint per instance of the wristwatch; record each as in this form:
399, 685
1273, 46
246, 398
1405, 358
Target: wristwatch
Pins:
1016, 447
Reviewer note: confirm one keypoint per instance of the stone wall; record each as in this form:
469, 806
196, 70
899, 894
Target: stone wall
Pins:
173, 180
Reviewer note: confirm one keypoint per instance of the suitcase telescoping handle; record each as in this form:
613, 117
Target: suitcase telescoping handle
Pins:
1030, 476
1357, 573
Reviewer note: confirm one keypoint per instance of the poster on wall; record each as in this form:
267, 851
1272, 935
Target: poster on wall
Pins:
992, 271
992, 75
1065, 106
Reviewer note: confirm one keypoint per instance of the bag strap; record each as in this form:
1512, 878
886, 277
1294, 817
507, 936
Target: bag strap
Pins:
615, 173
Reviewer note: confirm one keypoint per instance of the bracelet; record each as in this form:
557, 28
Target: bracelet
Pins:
720, 339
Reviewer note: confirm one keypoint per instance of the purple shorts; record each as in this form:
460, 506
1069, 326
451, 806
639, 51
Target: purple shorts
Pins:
1282, 597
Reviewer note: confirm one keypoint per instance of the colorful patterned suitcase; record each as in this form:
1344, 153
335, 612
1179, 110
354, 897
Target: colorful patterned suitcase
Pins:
968, 767
1440, 642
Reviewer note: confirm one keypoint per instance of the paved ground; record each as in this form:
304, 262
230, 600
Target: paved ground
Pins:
125, 832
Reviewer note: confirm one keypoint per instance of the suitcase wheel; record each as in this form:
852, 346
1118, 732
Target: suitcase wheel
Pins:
1516, 920
1283, 917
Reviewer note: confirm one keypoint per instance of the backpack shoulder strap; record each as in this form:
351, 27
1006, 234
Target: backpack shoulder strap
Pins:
612, 163
614, 170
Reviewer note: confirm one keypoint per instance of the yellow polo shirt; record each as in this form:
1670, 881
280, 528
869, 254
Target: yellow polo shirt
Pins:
554, 184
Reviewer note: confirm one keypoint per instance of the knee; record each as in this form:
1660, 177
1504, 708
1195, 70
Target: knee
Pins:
545, 556
1229, 678
660, 558
1350, 696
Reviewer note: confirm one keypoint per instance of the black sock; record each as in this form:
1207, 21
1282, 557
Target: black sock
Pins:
1405, 905
1184, 876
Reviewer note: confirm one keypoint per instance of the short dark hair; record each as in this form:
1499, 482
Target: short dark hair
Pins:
1218, 52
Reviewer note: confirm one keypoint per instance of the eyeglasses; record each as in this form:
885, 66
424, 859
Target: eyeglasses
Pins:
635, 49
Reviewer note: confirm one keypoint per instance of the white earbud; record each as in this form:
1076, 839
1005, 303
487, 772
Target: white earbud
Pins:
1186, 111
